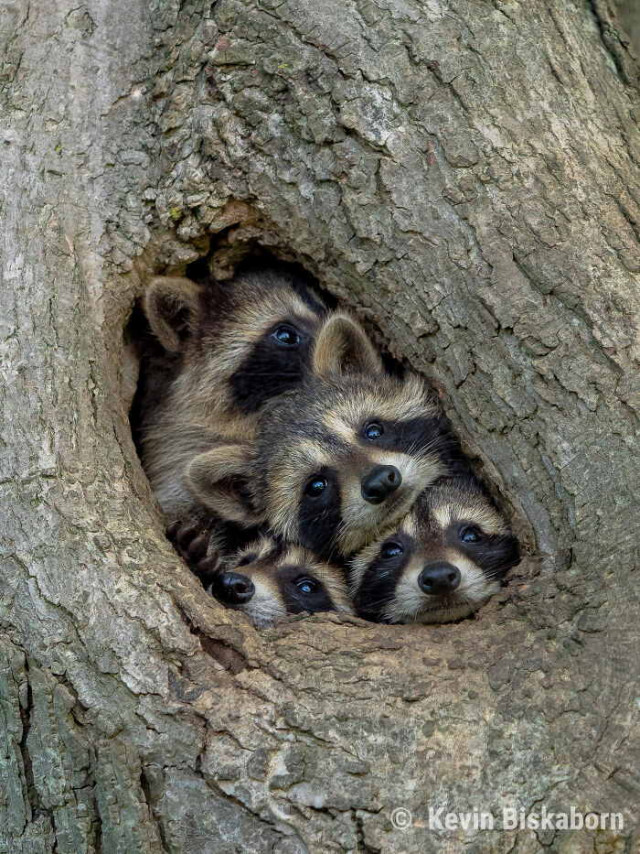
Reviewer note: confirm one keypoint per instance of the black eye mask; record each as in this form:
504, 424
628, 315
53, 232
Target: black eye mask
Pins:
276, 363
378, 584
410, 436
302, 591
319, 514
493, 553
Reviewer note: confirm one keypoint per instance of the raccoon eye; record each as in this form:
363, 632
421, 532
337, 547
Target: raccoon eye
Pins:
316, 486
373, 430
245, 559
470, 534
306, 585
390, 550
286, 336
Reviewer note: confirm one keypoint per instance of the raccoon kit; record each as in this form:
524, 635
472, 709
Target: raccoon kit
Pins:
339, 459
442, 562
269, 580
217, 352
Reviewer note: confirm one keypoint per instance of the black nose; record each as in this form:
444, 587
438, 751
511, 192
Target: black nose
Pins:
439, 578
231, 588
380, 483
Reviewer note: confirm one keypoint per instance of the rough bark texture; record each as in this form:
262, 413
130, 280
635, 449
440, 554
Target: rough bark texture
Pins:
629, 16
464, 175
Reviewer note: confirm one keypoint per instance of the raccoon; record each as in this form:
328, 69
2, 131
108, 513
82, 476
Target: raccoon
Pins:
268, 580
339, 459
217, 354
441, 563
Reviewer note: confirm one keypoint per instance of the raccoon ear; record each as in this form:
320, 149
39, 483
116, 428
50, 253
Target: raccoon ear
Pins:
342, 347
220, 479
172, 306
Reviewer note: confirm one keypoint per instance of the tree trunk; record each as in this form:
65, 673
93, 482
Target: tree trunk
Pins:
463, 174
629, 15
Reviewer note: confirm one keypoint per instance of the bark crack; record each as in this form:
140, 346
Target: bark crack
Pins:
26, 713
145, 787
220, 650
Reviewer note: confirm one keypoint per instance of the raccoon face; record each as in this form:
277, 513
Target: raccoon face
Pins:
441, 563
267, 581
242, 342
342, 459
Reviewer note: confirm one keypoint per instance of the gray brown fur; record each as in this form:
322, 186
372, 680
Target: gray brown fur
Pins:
208, 333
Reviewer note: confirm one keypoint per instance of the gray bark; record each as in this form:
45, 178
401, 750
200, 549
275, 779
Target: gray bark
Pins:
628, 12
463, 174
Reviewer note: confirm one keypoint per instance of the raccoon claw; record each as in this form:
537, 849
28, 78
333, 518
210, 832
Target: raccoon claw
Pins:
207, 565
207, 570
171, 530
180, 533
197, 547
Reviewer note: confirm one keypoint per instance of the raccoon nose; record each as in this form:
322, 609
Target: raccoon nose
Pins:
232, 588
439, 578
380, 483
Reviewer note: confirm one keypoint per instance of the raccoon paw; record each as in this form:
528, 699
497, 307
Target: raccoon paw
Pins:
197, 545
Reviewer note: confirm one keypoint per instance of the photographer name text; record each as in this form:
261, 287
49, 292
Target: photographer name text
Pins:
519, 819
